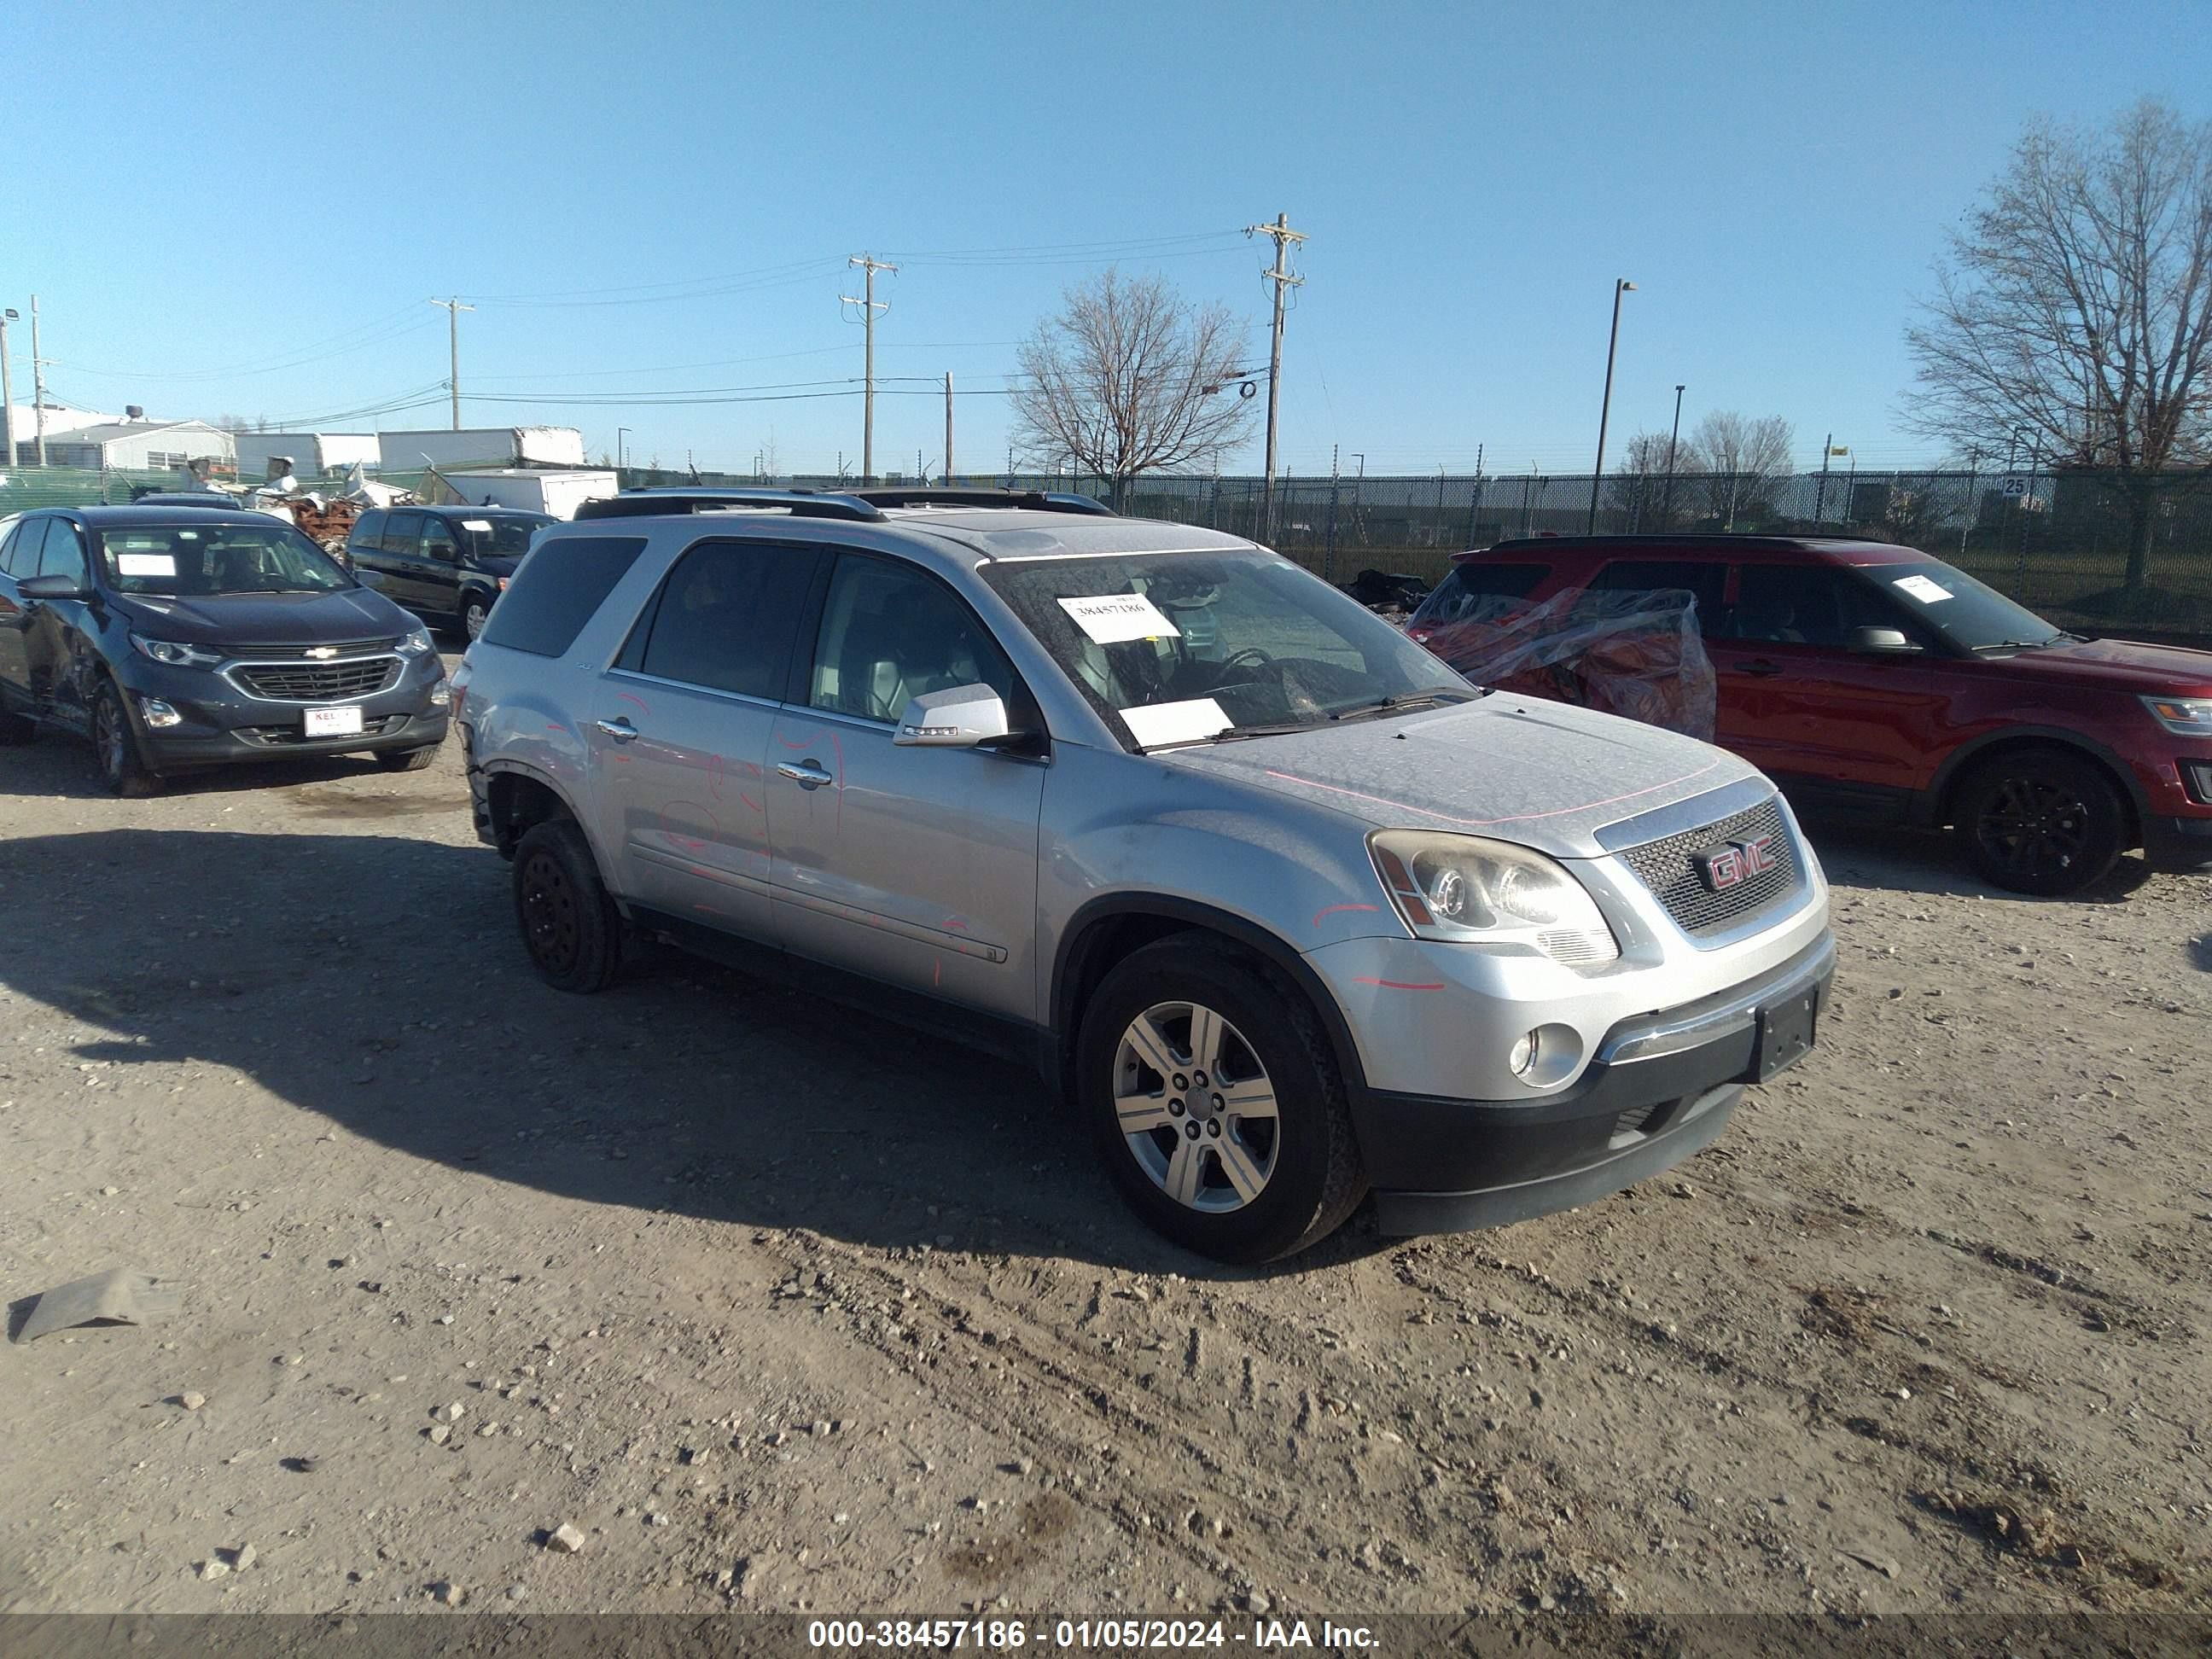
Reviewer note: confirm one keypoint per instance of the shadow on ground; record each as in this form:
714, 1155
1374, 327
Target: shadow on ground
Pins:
377, 981
1925, 861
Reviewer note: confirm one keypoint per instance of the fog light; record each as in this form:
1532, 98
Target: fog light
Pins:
442, 694
1522, 1057
158, 713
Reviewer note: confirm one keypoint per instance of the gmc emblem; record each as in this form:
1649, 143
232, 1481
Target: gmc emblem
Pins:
1722, 867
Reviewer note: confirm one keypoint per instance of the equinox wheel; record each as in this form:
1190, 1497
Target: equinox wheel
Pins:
568, 921
1215, 1099
2041, 821
117, 745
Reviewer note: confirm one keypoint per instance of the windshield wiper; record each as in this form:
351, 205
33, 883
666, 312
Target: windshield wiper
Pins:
1364, 711
2024, 644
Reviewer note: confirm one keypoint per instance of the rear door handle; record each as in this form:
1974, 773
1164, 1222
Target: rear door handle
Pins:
809, 774
620, 730
1761, 668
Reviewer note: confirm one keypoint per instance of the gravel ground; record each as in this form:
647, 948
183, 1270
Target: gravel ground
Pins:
780, 1307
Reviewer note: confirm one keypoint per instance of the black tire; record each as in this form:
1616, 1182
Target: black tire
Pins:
1314, 1179
17, 728
568, 921
115, 742
2040, 821
407, 760
468, 620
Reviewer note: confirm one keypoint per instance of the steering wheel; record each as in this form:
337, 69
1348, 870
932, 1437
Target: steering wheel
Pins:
1251, 656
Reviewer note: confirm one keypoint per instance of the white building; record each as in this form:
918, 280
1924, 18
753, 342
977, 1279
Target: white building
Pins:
139, 445
314, 454
23, 426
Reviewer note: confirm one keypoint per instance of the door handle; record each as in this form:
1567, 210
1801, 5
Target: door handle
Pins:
620, 730
809, 774
1762, 668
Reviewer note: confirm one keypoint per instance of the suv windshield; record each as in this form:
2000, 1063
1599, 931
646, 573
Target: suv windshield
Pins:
1969, 615
1182, 647
190, 560
505, 537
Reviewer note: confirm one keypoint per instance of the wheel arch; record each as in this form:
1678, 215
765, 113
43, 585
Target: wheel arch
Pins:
1107, 929
518, 797
1942, 791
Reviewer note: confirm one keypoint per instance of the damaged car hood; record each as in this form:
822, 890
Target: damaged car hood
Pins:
1542, 774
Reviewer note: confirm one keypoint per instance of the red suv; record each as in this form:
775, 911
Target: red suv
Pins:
1876, 682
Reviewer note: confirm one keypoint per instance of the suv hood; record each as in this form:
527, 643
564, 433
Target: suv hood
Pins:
241, 621
2117, 665
1542, 774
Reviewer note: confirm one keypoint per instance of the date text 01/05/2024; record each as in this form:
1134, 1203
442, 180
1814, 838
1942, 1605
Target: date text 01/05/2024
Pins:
1010, 1635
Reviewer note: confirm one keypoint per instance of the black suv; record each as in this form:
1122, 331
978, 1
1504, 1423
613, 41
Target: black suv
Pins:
446, 564
183, 637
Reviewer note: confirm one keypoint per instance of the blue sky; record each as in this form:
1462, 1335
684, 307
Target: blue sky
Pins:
234, 210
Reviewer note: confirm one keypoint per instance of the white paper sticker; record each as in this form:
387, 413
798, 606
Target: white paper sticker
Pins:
146, 564
482, 526
1112, 618
1922, 589
1175, 722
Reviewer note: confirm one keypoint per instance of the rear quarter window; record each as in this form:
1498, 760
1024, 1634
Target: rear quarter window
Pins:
1473, 584
557, 589
369, 529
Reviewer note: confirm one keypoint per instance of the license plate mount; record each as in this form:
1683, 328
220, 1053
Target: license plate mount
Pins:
333, 723
1785, 1033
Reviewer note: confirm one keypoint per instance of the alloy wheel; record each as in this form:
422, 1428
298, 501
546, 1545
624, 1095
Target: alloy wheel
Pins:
472, 619
109, 738
1196, 1107
2034, 826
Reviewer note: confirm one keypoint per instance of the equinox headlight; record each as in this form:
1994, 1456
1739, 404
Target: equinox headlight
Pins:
2185, 717
1466, 890
416, 644
175, 654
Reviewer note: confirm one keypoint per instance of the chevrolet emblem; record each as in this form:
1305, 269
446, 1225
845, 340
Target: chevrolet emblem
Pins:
319, 652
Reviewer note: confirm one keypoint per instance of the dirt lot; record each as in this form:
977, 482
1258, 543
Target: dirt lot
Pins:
781, 1307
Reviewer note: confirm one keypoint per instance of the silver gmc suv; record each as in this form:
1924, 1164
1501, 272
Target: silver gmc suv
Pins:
1289, 911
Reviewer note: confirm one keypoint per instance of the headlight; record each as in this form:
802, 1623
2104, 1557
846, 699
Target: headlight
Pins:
174, 654
2185, 717
416, 644
1464, 889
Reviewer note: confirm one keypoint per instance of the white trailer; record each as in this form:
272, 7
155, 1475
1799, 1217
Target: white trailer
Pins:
314, 454
482, 447
536, 489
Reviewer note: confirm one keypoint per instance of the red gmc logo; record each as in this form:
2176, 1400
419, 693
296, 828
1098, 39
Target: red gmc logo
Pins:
1722, 867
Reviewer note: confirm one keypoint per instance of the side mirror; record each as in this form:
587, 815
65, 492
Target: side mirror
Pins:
369, 578
960, 717
1883, 642
51, 588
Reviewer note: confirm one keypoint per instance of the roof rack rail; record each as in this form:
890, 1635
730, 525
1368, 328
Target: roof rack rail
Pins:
1033, 501
799, 503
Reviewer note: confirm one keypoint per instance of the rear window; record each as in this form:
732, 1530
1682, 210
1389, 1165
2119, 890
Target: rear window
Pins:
557, 589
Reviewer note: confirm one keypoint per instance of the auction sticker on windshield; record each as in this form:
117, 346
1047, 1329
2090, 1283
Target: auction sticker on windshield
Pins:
1176, 722
333, 723
1114, 618
1921, 588
146, 564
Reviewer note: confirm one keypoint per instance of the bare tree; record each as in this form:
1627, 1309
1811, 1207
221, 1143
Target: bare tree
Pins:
2076, 308
1640, 486
1742, 457
1128, 379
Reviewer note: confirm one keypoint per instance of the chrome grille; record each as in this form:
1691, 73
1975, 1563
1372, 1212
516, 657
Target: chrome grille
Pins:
1665, 867
327, 650
316, 681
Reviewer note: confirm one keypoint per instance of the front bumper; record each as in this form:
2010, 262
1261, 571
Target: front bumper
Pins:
222, 726
1661, 1087
2178, 844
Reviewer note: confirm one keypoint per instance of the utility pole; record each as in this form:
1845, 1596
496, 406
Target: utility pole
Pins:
454, 310
869, 307
7, 392
948, 426
1620, 285
38, 385
1283, 237
1668, 511
1821, 496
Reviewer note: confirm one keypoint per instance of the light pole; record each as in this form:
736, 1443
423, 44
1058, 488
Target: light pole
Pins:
621, 432
1667, 511
7, 392
1621, 285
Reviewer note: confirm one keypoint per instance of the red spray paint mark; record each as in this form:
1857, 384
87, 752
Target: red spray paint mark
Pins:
1332, 909
1517, 818
639, 701
937, 973
562, 730
751, 802
956, 924
1396, 984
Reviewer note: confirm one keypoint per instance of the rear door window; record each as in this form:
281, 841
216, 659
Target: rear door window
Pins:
402, 531
725, 618
556, 590
1706, 579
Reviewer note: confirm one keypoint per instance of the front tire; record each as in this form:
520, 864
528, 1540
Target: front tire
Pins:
1215, 1098
407, 760
475, 610
2041, 821
569, 923
115, 741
